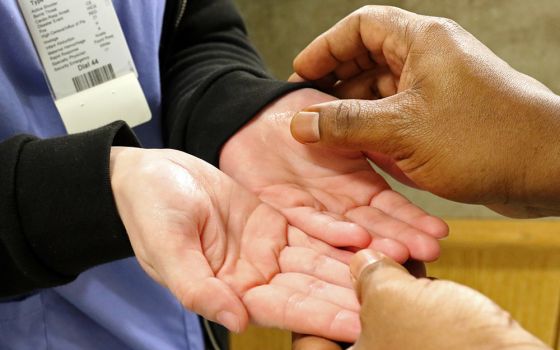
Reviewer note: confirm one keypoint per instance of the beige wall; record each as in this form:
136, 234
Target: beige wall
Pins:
524, 33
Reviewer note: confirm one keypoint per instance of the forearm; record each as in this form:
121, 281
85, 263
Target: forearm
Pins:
214, 81
533, 163
544, 169
57, 207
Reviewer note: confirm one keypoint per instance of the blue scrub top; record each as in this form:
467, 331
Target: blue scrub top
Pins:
116, 305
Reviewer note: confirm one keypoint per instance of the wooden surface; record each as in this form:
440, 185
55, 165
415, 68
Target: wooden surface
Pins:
516, 263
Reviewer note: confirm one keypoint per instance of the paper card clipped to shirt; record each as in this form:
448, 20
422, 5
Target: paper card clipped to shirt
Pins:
87, 62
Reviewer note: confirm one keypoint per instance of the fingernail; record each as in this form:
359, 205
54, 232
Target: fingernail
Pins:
305, 127
363, 259
228, 320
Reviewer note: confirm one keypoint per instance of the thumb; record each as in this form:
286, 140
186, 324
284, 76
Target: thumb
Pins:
188, 275
372, 269
379, 125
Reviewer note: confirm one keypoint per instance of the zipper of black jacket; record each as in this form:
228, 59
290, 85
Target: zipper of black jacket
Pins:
181, 13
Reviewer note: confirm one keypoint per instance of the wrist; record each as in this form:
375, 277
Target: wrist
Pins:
124, 165
271, 124
542, 163
117, 163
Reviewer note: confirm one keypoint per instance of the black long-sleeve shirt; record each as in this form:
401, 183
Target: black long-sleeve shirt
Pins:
57, 211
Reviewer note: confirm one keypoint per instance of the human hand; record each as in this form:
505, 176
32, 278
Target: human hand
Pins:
310, 342
400, 311
223, 253
330, 194
452, 118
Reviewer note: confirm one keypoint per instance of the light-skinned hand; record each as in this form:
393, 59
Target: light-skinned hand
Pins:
435, 108
332, 195
225, 254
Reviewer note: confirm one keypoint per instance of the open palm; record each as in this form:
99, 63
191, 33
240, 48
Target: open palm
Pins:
225, 254
333, 195
283, 278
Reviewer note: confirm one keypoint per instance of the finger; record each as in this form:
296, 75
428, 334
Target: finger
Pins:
327, 82
189, 277
387, 85
368, 85
309, 262
363, 125
295, 78
399, 207
298, 238
365, 62
318, 289
322, 226
347, 70
392, 248
420, 245
281, 307
363, 86
383, 31
309, 342
372, 269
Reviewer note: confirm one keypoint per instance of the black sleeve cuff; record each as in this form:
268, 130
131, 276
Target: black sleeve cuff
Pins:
222, 105
67, 210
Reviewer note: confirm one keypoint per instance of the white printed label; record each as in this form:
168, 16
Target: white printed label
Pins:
80, 43
82, 47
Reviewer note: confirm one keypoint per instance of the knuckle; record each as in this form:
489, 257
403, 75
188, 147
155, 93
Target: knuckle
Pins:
379, 10
380, 276
341, 122
316, 287
364, 10
391, 12
440, 26
293, 304
382, 15
318, 262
